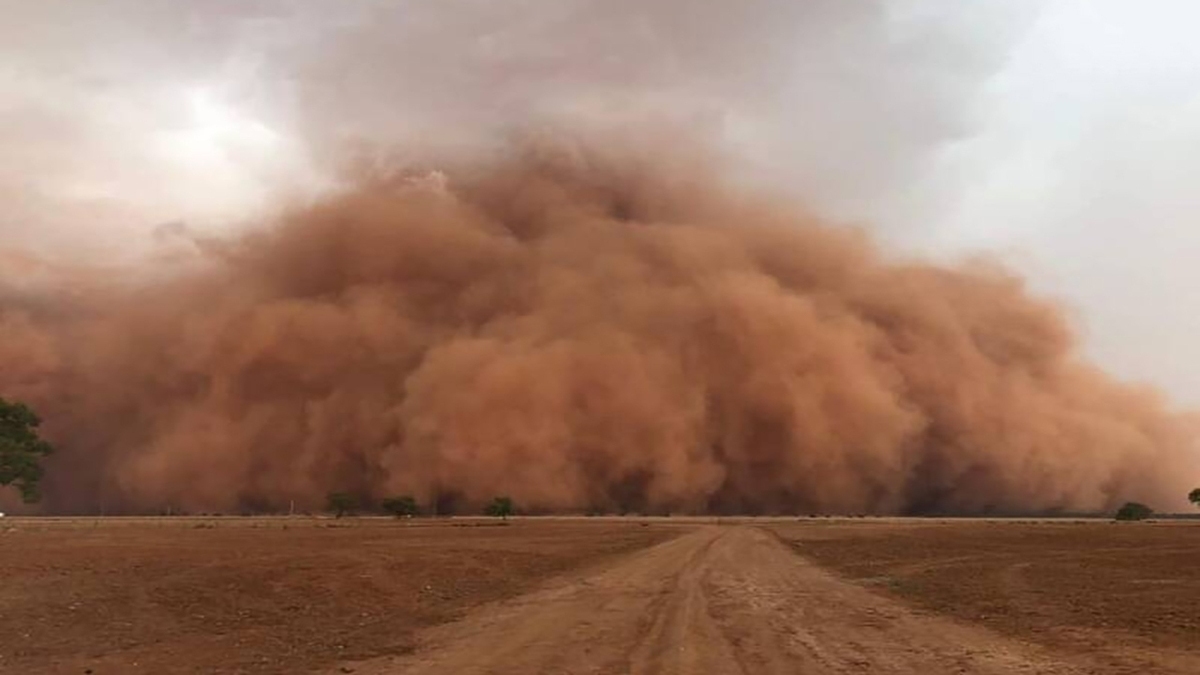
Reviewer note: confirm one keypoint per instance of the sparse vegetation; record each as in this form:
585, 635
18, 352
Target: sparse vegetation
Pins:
341, 503
400, 507
21, 450
1134, 511
500, 507
1194, 497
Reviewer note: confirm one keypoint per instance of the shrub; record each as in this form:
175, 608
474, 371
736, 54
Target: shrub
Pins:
1134, 511
21, 449
401, 506
501, 507
341, 503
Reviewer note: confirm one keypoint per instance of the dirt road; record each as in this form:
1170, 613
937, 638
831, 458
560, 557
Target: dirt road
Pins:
722, 600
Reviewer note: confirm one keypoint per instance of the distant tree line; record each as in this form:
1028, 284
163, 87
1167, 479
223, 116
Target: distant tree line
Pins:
22, 451
1139, 511
341, 504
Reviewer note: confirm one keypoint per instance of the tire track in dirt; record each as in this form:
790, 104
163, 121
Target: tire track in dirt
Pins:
718, 600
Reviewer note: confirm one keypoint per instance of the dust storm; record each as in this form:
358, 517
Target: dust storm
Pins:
582, 327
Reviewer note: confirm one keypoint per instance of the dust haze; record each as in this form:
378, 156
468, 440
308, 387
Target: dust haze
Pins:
460, 255
577, 328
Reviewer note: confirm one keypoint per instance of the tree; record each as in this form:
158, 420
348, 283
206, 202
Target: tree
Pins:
1134, 511
1194, 497
341, 503
21, 450
401, 506
501, 507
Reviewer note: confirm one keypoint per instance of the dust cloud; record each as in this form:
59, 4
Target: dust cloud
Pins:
579, 328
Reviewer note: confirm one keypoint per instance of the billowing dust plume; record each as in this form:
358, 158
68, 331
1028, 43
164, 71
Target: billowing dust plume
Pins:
579, 330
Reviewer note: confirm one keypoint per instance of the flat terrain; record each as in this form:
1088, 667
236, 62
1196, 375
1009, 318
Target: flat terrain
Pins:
736, 599
376, 597
271, 595
1079, 586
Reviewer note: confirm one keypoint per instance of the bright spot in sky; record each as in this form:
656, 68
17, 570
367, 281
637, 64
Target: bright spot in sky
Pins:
215, 134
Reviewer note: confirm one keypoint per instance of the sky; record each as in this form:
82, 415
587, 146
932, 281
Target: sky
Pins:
1059, 136
1081, 172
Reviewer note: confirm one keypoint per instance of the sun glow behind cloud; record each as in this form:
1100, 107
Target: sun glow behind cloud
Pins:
215, 133
230, 160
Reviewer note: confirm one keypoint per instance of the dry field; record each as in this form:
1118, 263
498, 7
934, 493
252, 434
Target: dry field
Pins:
376, 596
270, 595
1083, 586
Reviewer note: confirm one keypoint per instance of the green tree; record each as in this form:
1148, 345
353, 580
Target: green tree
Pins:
341, 503
501, 507
1194, 497
1134, 511
21, 450
401, 506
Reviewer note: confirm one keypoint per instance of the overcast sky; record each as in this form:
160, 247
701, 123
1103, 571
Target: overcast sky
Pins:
1061, 135
1081, 170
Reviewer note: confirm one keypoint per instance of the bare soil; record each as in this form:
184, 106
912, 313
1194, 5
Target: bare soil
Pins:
1086, 586
733, 599
377, 597
276, 595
